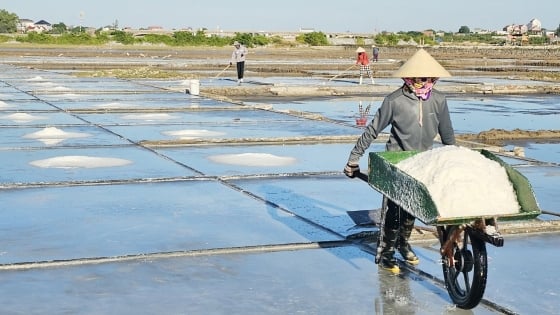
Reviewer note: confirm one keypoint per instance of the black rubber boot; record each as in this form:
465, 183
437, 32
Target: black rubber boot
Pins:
388, 238
387, 253
404, 248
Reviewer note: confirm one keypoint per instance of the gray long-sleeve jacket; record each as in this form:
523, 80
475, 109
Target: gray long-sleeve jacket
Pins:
414, 123
239, 54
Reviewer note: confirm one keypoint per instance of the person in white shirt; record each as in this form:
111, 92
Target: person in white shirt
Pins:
238, 56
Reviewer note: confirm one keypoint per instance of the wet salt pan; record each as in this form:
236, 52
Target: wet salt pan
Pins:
192, 133
68, 96
253, 159
115, 105
150, 117
45, 84
463, 182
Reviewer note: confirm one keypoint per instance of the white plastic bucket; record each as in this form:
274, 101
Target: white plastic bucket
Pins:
194, 87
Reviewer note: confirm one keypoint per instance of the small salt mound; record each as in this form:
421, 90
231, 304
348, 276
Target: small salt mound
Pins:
4, 105
61, 88
37, 78
79, 161
53, 135
463, 182
22, 117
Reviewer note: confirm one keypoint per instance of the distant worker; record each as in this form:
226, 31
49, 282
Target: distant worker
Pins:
363, 61
375, 53
238, 56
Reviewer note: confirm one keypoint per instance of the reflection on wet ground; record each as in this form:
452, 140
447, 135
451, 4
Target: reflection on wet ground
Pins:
104, 213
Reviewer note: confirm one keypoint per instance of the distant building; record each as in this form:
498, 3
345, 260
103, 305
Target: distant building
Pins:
43, 26
428, 33
534, 26
23, 25
516, 29
306, 30
478, 30
26, 25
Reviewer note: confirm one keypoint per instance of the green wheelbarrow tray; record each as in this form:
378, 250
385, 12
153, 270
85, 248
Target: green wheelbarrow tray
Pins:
413, 196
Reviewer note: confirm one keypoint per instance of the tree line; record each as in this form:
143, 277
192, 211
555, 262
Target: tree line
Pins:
61, 34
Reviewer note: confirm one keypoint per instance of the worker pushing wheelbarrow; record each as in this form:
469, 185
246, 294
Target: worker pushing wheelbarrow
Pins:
417, 114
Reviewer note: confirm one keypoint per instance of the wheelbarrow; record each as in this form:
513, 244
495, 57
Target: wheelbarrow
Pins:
462, 239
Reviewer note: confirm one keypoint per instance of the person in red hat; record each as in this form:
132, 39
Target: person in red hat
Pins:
363, 61
417, 113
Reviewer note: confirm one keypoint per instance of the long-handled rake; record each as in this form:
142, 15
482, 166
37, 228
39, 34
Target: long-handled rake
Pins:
341, 73
220, 73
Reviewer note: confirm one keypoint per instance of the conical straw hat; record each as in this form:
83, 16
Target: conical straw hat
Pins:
421, 65
360, 49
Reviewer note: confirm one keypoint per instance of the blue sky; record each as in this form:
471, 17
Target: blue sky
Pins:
357, 16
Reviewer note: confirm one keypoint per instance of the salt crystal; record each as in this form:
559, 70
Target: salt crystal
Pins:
463, 182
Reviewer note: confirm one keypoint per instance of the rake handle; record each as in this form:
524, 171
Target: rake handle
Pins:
217, 75
352, 66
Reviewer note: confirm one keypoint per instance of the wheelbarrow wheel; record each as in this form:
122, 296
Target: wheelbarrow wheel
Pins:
465, 277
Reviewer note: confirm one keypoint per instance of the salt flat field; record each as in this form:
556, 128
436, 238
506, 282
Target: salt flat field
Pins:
130, 196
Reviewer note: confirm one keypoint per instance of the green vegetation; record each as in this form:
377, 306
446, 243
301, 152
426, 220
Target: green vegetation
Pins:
404, 37
200, 38
59, 28
491, 39
60, 34
182, 38
64, 39
464, 30
313, 39
8, 22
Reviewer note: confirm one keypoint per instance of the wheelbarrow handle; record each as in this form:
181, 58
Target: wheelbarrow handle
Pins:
362, 176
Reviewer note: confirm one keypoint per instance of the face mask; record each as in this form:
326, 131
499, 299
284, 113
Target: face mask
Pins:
421, 87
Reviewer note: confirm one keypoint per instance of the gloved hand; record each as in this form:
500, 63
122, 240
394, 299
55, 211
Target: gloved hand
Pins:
350, 170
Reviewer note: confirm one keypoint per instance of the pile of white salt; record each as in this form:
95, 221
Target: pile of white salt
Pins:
463, 182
